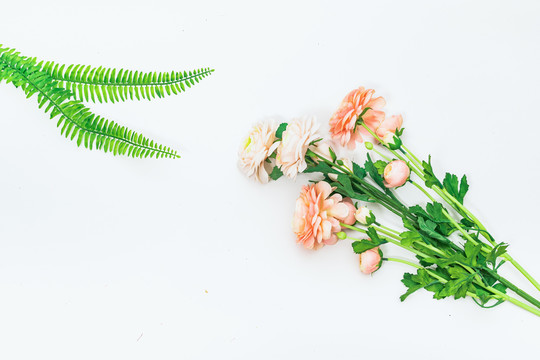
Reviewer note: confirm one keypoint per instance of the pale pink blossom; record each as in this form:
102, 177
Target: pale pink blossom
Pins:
370, 260
389, 126
257, 147
296, 140
343, 122
350, 219
362, 215
317, 216
396, 173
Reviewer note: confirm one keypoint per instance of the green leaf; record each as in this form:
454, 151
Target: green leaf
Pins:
75, 120
281, 128
428, 227
497, 251
463, 188
321, 167
107, 86
410, 237
365, 244
373, 172
380, 165
472, 251
332, 154
436, 213
431, 179
415, 282
276, 173
358, 170
450, 183
345, 185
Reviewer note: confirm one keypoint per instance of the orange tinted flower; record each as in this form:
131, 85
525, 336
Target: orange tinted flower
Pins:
343, 122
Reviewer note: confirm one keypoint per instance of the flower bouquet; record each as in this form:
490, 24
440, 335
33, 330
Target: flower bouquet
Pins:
452, 252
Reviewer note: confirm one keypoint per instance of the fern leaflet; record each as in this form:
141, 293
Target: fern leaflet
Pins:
106, 84
75, 119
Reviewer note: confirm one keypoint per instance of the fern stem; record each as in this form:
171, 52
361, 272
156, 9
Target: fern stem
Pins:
109, 83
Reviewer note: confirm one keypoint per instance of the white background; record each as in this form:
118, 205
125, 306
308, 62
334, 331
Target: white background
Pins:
106, 257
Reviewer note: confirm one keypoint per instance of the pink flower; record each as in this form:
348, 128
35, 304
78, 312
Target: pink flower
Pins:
396, 173
370, 260
317, 216
343, 122
297, 138
350, 219
389, 126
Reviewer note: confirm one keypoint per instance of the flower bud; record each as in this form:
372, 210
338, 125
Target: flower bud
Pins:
370, 261
364, 216
368, 145
341, 235
391, 140
396, 173
346, 163
322, 149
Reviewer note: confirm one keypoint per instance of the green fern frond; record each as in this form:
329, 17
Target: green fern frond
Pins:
106, 84
76, 121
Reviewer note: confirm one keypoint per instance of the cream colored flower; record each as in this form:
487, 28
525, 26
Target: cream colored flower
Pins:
298, 136
257, 147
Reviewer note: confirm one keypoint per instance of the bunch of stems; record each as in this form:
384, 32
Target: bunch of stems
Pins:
416, 167
389, 200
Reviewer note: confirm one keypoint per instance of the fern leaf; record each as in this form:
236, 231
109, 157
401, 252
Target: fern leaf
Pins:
75, 120
111, 85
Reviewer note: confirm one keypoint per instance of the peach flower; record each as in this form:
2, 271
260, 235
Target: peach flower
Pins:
317, 216
296, 139
258, 146
370, 260
350, 219
343, 122
389, 126
396, 173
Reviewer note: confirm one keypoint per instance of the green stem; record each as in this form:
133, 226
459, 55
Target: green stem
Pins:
382, 155
415, 159
459, 207
388, 229
477, 280
422, 190
522, 270
514, 288
390, 204
514, 301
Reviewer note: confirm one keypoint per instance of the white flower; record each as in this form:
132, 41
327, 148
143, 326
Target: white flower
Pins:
257, 147
364, 216
298, 136
323, 149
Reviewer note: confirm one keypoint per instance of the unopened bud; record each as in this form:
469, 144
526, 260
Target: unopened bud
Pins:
364, 216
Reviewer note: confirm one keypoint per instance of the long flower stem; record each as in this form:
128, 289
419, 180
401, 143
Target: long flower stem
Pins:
452, 201
391, 204
521, 270
394, 239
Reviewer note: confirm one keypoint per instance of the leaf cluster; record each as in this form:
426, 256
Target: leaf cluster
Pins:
62, 89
